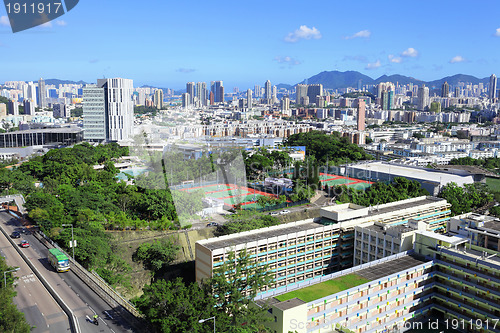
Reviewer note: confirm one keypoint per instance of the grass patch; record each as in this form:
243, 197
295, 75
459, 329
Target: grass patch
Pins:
323, 289
493, 184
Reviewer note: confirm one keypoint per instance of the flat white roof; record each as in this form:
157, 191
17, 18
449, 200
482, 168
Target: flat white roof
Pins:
397, 170
455, 240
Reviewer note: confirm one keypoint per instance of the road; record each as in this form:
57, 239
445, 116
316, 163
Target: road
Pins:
38, 306
75, 293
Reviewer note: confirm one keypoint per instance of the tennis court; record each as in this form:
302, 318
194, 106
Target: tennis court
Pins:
334, 180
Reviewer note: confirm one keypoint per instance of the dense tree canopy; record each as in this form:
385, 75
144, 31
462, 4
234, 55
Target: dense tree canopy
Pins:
465, 199
176, 307
246, 220
157, 255
328, 148
380, 193
488, 163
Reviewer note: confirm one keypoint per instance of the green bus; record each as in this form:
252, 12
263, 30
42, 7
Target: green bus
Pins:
58, 260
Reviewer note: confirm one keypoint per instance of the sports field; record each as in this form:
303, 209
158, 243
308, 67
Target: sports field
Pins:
320, 290
231, 194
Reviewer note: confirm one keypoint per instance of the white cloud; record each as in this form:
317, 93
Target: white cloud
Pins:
61, 23
373, 65
394, 59
185, 70
497, 32
303, 32
456, 59
360, 34
287, 60
46, 25
4, 20
410, 52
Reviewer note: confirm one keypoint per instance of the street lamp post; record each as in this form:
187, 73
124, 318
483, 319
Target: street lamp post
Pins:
5, 276
204, 320
72, 238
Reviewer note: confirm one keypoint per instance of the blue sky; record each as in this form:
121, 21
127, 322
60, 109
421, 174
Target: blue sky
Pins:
243, 43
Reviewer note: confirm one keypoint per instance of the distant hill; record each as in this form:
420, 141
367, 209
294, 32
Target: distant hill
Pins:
336, 79
453, 80
401, 79
284, 86
57, 82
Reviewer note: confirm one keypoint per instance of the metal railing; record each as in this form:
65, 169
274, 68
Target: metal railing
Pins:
94, 281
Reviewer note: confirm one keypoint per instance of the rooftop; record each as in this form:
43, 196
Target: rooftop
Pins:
450, 239
259, 234
397, 170
48, 130
345, 282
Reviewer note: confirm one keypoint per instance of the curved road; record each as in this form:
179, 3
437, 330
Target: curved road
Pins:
38, 306
75, 293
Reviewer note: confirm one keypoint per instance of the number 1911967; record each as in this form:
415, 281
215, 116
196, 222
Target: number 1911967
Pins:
32, 8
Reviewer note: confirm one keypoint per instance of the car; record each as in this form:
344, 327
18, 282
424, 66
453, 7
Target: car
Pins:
25, 243
15, 234
212, 224
283, 212
274, 213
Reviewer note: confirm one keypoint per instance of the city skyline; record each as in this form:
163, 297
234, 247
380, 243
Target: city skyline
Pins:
244, 50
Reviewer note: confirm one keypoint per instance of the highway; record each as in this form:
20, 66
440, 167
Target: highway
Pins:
75, 293
38, 306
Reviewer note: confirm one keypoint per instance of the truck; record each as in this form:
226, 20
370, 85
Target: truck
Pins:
58, 260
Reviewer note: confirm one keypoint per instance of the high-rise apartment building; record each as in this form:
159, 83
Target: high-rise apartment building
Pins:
257, 91
186, 100
191, 90
158, 99
201, 93
423, 98
13, 108
249, 98
268, 91
300, 93
361, 115
119, 107
314, 90
29, 107
492, 91
42, 94
445, 90
60, 111
108, 110
217, 89
95, 121
285, 103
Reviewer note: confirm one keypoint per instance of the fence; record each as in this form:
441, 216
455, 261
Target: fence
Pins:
280, 206
97, 284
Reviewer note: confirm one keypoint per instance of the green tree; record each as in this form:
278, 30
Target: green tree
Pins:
240, 278
157, 255
465, 199
246, 220
11, 319
176, 307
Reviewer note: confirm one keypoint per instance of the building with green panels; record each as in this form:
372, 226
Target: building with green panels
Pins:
304, 251
444, 281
